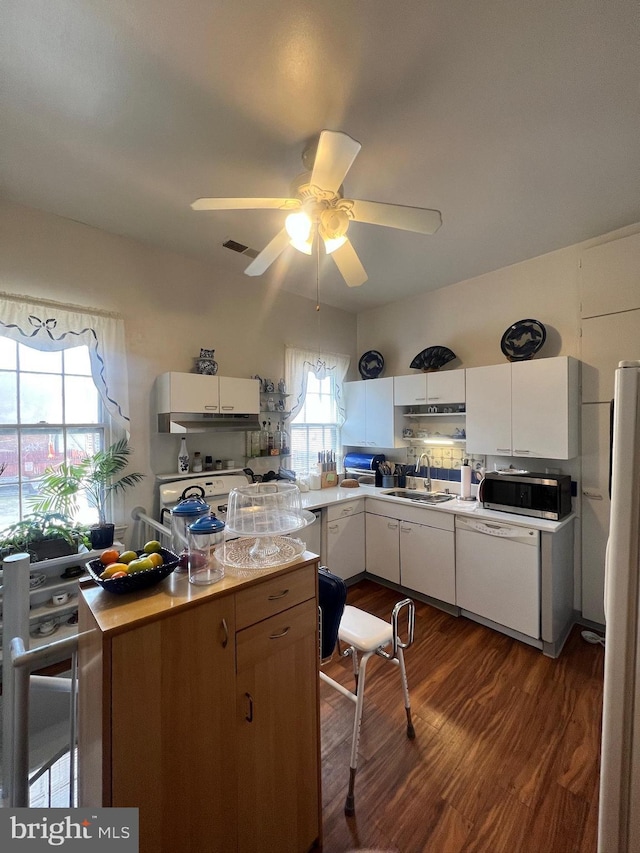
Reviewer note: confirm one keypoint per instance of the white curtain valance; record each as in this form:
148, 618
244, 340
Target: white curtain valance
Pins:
50, 327
299, 363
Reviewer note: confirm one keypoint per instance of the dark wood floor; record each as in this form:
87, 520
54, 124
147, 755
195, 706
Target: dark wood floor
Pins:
506, 750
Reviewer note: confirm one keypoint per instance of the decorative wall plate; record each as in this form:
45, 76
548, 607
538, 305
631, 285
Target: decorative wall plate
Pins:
432, 358
523, 340
371, 364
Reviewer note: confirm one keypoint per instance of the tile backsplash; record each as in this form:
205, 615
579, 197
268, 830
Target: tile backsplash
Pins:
446, 462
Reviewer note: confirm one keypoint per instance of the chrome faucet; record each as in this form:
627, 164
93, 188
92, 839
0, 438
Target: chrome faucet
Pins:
427, 479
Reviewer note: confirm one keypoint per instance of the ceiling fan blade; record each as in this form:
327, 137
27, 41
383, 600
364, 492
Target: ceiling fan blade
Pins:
349, 265
268, 255
334, 156
243, 203
418, 219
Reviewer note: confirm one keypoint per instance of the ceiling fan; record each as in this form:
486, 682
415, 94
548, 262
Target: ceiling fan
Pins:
317, 206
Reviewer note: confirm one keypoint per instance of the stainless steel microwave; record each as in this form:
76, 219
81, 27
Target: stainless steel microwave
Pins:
539, 495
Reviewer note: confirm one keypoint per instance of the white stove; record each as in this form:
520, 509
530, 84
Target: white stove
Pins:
211, 486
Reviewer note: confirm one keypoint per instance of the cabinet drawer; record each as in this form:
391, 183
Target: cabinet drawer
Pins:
258, 642
341, 510
274, 595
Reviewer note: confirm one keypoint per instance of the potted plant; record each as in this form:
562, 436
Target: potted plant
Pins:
97, 477
43, 535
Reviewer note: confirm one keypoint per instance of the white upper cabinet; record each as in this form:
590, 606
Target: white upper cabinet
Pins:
239, 395
544, 408
488, 421
528, 408
446, 386
195, 393
370, 416
610, 277
410, 390
439, 387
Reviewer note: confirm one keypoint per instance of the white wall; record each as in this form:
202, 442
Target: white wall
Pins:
172, 305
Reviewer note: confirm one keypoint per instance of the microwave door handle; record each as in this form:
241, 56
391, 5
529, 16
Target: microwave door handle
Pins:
481, 490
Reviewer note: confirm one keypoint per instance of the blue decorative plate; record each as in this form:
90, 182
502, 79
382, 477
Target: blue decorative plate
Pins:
523, 340
432, 358
371, 364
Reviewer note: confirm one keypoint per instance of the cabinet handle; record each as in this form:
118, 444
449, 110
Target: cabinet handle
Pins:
227, 408
213, 408
279, 595
282, 633
503, 450
333, 527
225, 628
392, 526
249, 715
346, 511
515, 450
406, 529
434, 398
419, 399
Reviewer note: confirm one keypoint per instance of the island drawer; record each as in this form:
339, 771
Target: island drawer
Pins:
275, 595
260, 641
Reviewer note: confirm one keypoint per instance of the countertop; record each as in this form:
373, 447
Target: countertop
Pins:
327, 497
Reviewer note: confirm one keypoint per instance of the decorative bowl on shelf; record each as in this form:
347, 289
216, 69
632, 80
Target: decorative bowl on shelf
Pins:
137, 581
371, 364
523, 340
432, 358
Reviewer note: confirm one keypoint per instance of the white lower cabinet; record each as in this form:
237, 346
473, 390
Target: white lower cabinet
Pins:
345, 539
419, 553
427, 561
383, 547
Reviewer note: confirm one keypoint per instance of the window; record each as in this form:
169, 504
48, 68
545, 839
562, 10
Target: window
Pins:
50, 412
315, 427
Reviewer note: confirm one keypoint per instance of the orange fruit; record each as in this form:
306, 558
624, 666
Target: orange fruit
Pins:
118, 575
156, 560
109, 556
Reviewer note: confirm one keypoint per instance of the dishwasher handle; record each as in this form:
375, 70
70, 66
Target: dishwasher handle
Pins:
502, 531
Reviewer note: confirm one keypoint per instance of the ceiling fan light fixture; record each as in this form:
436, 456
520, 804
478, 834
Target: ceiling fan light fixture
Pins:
333, 243
304, 246
298, 227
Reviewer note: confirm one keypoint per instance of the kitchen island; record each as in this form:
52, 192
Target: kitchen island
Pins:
199, 706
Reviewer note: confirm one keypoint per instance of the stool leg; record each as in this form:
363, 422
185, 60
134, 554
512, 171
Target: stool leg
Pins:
356, 666
405, 690
350, 806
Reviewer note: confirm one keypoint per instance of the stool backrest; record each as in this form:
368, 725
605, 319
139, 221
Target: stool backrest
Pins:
332, 595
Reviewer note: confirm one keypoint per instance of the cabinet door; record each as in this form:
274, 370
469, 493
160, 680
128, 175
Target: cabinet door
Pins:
382, 537
427, 561
544, 408
354, 429
239, 395
172, 708
488, 421
277, 726
379, 412
446, 386
187, 392
410, 390
345, 546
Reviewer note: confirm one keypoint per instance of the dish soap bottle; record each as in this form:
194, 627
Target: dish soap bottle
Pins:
183, 457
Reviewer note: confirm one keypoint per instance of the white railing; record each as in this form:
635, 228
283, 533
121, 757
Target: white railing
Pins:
146, 528
25, 690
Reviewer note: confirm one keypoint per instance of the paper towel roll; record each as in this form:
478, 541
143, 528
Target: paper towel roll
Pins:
465, 481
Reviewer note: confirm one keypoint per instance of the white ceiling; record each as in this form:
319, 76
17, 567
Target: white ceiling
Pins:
518, 119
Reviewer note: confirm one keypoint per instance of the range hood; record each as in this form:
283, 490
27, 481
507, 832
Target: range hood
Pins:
190, 422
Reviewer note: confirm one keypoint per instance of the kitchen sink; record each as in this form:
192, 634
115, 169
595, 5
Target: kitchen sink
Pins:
420, 497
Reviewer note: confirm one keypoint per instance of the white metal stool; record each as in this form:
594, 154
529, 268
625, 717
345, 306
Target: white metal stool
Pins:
365, 635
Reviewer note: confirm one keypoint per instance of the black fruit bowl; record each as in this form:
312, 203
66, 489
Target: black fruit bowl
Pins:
138, 580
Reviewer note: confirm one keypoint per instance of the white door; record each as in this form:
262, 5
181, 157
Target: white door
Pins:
595, 507
488, 421
544, 408
427, 562
239, 395
382, 546
354, 427
345, 546
379, 412
446, 386
410, 390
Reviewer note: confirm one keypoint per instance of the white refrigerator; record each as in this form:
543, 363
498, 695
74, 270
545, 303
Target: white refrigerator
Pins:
619, 817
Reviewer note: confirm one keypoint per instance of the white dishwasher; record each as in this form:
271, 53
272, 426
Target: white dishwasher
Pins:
498, 573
